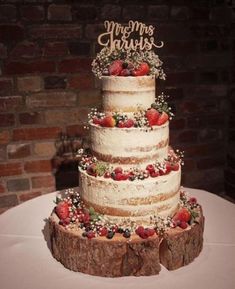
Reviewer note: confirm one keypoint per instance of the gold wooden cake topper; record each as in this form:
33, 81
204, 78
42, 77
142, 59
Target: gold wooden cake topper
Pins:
133, 36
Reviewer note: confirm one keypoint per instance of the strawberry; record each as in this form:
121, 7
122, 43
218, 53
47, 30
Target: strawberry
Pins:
142, 70
162, 118
62, 210
97, 120
182, 215
119, 177
152, 115
175, 166
84, 218
150, 232
115, 67
108, 121
121, 124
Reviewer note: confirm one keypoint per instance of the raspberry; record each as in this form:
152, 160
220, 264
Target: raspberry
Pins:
183, 225
103, 231
90, 234
139, 230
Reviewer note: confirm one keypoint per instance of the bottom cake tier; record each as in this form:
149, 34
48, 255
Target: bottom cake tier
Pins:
81, 247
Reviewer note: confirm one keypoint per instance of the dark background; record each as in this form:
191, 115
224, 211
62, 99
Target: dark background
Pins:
47, 88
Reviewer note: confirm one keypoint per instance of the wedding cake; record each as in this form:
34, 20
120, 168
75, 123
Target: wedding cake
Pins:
130, 213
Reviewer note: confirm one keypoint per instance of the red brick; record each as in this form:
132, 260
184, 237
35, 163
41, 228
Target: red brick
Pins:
2, 188
32, 13
85, 13
92, 31
79, 48
197, 150
190, 106
177, 123
75, 65
180, 12
11, 33
10, 169
26, 50
66, 31
55, 82
55, 49
180, 77
8, 13
133, 12
189, 165
76, 130
208, 163
30, 67
3, 154
31, 118
3, 51
36, 133
29, 83
59, 13
211, 134
82, 81
19, 184
41, 166
180, 47
111, 12
8, 201
52, 99
10, 103
4, 137
188, 136
28, 196
6, 85
43, 181
17, 151
7, 119
158, 12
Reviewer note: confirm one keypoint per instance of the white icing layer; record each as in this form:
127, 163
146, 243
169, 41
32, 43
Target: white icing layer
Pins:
137, 200
127, 94
130, 145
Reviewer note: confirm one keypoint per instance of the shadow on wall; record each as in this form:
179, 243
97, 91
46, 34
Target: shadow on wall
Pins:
65, 162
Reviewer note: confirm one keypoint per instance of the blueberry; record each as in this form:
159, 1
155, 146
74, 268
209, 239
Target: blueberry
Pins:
127, 233
110, 234
84, 234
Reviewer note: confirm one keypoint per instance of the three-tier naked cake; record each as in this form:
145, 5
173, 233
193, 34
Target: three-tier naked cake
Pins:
130, 213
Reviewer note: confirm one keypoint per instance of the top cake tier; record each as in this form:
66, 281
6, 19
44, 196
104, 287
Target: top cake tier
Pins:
127, 94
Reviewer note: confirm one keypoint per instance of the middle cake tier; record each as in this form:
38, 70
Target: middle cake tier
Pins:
130, 146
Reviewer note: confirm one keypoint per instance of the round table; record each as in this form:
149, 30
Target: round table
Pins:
26, 261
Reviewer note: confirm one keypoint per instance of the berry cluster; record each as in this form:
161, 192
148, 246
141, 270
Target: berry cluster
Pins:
120, 62
74, 216
96, 168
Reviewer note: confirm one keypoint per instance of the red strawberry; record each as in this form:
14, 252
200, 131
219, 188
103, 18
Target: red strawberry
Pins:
62, 210
152, 115
116, 67
182, 215
119, 177
142, 70
108, 121
168, 168
175, 166
125, 72
129, 123
84, 218
163, 118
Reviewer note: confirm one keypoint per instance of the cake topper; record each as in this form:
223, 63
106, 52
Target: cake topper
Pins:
133, 36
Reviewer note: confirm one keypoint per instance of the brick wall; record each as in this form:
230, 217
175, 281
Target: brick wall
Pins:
46, 85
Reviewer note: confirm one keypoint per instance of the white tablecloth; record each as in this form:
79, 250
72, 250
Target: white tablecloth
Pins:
26, 261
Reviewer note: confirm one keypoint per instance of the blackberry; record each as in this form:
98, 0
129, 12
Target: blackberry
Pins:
110, 234
127, 233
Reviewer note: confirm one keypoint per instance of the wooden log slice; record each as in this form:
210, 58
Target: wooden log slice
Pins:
180, 247
119, 256
105, 257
